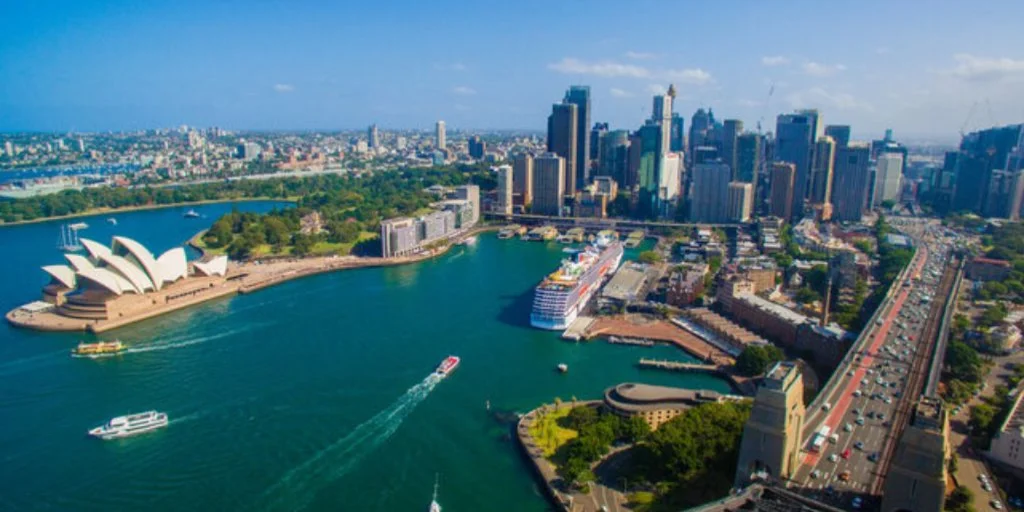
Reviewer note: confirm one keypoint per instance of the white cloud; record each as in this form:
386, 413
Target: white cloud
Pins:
284, 88
620, 93
816, 97
462, 90
748, 103
989, 69
695, 76
640, 55
571, 65
818, 69
774, 60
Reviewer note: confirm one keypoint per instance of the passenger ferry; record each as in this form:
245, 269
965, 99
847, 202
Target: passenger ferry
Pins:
447, 366
560, 297
99, 349
130, 425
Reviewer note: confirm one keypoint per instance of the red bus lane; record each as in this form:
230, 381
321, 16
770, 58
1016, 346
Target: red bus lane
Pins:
838, 412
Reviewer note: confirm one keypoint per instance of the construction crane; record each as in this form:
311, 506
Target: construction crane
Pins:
970, 114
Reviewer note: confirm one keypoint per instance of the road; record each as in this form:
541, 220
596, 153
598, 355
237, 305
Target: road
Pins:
863, 401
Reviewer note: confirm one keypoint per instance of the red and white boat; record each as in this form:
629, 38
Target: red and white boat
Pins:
447, 366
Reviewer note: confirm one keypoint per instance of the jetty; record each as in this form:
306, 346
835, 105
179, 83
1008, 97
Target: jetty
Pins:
615, 340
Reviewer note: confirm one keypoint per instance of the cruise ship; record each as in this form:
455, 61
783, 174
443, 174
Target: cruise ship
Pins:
130, 425
561, 296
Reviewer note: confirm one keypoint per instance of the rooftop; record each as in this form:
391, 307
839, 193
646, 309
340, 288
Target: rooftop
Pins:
626, 284
643, 397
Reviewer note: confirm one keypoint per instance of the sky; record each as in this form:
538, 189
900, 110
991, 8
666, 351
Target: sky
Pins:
924, 69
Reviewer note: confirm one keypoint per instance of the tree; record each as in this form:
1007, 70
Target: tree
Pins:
755, 359
806, 295
649, 257
960, 500
963, 362
301, 244
634, 429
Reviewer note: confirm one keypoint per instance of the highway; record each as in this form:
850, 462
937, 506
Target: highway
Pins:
866, 401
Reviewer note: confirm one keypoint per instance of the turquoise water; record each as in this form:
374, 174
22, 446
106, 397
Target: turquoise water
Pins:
308, 395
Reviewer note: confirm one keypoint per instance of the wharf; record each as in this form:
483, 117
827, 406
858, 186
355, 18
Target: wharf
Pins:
615, 340
635, 326
744, 385
578, 329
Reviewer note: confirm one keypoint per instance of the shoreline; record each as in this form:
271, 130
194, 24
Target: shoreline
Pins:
103, 211
243, 278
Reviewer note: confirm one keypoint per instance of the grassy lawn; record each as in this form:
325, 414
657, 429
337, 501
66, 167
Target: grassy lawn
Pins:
319, 249
641, 501
199, 242
548, 435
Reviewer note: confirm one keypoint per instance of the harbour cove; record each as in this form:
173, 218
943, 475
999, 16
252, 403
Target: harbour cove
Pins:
312, 394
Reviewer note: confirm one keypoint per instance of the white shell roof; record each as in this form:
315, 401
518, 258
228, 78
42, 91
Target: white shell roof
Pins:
95, 248
78, 262
144, 257
105, 279
216, 267
134, 275
62, 273
173, 265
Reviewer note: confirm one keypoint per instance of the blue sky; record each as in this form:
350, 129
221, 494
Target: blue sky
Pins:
917, 67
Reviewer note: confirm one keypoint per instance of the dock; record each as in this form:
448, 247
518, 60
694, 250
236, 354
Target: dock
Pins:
615, 340
678, 366
745, 385
578, 330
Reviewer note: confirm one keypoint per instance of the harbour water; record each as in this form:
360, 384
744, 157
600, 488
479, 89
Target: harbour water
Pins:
311, 395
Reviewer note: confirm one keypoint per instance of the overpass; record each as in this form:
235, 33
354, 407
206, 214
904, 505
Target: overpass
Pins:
600, 223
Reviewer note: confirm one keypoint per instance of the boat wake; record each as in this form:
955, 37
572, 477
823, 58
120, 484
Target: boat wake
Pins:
31, 362
297, 488
180, 344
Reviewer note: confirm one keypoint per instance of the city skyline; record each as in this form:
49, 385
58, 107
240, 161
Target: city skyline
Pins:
156, 66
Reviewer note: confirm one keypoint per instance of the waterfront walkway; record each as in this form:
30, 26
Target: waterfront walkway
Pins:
638, 326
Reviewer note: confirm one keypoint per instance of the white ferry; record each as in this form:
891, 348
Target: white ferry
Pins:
130, 425
560, 297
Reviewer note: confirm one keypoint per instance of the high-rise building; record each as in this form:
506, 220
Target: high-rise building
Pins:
562, 134
648, 180
709, 192
888, 178
477, 147
470, 193
1005, 193
741, 201
597, 134
748, 158
522, 179
782, 184
614, 158
400, 143
579, 95
677, 135
439, 135
822, 170
504, 200
850, 183
839, 133
9, 148
700, 125
731, 130
398, 237
548, 184
794, 138
80, 144
632, 179
373, 137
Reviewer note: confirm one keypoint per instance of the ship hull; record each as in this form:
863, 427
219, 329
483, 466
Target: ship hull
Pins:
557, 310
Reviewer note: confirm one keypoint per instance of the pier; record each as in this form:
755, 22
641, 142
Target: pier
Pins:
744, 385
615, 340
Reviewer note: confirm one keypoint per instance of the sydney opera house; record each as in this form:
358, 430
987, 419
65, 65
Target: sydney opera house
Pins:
119, 281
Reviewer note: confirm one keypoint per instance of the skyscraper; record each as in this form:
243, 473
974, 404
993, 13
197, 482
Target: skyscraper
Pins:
1005, 194
822, 170
851, 182
731, 130
548, 184
470, 193
477, 147
782, 184
647, 177
440, 135
677, 135
596, 134
700, 124
579, 95
840, 133
794, 136
504, 202
888, 177
522, 179
373, 137
614, 158
709, 192
748, 157
741, 201
562, 134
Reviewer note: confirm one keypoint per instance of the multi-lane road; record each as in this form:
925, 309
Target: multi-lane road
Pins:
865, 395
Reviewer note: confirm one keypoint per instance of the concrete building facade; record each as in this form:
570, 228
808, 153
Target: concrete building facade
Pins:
782, 183
503, 204
741, 201
548, 184
522, 179
918, 472
770, 447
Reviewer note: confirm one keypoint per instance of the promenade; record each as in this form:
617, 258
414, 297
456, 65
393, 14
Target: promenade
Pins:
636, 326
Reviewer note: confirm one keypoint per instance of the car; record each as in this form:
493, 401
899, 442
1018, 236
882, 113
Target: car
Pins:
860, 421
857, 393
848, 427
996, 505
833, 458
859, 445
815, 474
845, 454
987, 486
857, 502
881, 416
864, 382
873, 457
850, 373
856, 412
844, 476
888, 400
